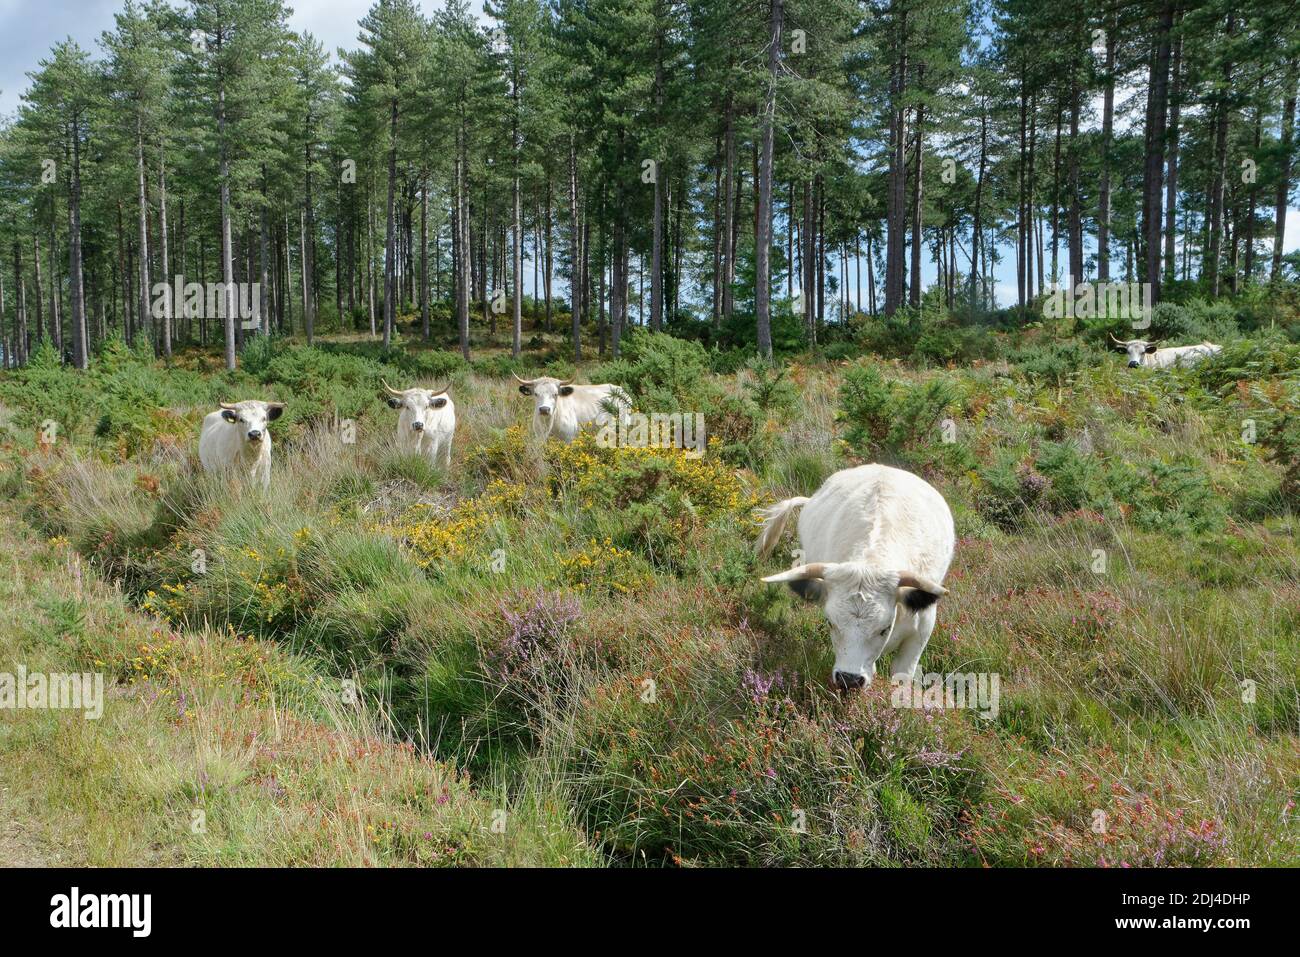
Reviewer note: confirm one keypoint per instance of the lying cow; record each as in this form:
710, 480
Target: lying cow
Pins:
1143, 353
876, 545
427, 423
564, 409
237, 438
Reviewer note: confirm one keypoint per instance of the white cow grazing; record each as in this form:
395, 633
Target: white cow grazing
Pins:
237, 438
1143, 353
876, 545
427, 423
564, 409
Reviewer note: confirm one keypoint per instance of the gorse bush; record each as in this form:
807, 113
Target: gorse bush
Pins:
887, 418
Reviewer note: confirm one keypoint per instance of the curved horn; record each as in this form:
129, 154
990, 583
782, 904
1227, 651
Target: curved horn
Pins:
1118, 342
228, 405
567, 382
389, 388
913, 580
523, 381
434, 395
798, 573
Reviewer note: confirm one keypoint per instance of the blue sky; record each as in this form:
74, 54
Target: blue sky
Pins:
28, 28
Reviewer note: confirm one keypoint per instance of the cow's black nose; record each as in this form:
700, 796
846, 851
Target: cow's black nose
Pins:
254, 434
849, 682
418, 426
1132, 365
544, 410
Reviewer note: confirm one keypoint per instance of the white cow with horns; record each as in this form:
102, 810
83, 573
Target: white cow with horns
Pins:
876, 544
237, 438
563, 409
1143, 353
427, 423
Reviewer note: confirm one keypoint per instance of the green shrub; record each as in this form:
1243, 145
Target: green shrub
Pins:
884, 418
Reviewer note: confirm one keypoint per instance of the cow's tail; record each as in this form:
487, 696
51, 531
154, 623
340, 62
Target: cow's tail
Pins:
775, 519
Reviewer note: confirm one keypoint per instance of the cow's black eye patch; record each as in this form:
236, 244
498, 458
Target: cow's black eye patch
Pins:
809, 589
918, 600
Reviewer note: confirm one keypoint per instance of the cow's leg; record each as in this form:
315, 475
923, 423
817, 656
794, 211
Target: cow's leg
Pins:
918, 626
446, 451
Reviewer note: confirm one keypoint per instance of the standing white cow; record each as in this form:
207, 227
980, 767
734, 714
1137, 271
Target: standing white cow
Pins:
876, 543
564, 409
427, 423
237, 438
1143, 353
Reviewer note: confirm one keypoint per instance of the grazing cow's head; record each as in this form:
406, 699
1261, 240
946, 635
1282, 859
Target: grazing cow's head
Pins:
418, 401
1135, 349
546, 393
252, 417
859, 601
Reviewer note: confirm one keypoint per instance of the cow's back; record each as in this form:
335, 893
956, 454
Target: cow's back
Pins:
215, 448
890, 517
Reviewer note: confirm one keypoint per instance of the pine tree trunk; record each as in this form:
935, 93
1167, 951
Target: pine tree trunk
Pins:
1153, 173
1171, 179
36, 270
517, 272
1107, 137
390, 235
166, 262
914, 281
896, 211
227, 263
1284, 177
1219, 176
143, 223
80, 337
763, 226
546, 271
1076, 213
976, 296
728, 211
575, 254
424, 256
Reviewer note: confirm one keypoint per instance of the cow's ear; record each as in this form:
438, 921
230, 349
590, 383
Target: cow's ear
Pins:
439, 402
229, 416
394, 402
273, 411
918, 592
525, 390
566, 390
1151, 348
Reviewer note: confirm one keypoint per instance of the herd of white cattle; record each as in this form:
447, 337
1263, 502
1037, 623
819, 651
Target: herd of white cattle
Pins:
875, 542
236, 438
